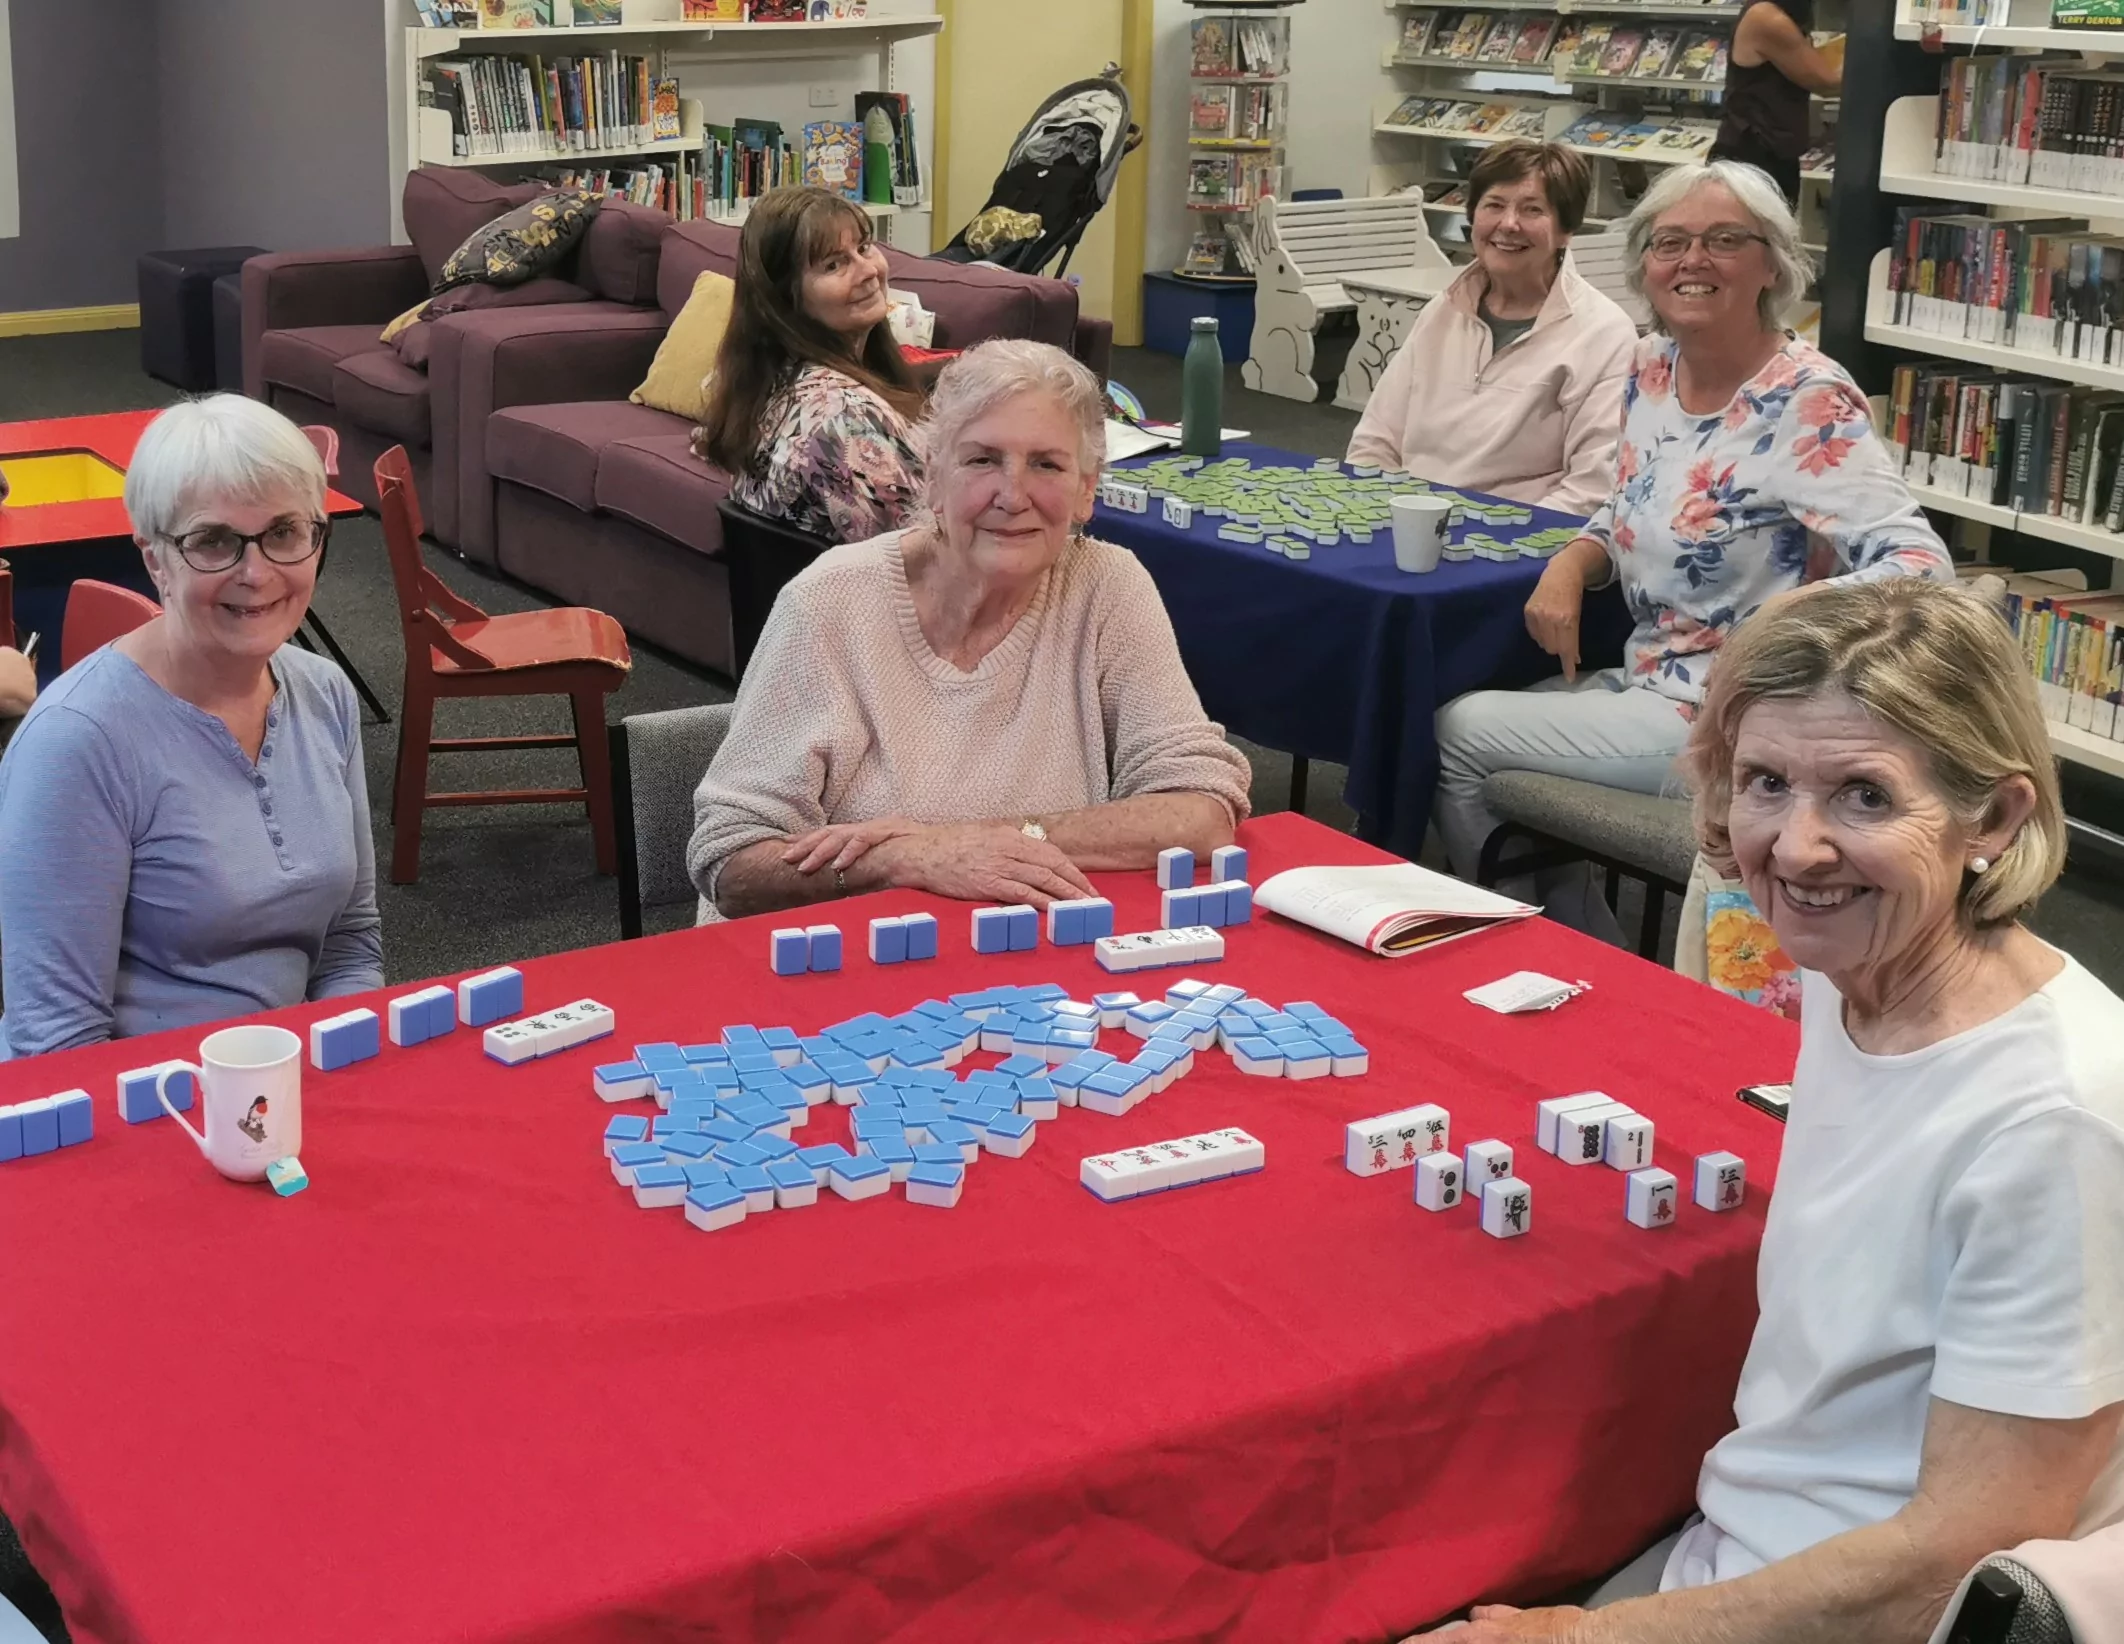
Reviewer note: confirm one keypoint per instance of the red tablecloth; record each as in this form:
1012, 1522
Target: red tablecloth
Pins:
463, 1389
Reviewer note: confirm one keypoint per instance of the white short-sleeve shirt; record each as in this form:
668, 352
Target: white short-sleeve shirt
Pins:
1947, 1224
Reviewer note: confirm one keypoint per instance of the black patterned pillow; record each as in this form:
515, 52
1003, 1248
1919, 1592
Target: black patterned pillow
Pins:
521, 244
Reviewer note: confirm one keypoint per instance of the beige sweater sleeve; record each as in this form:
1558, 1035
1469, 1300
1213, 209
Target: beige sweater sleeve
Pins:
1158, 737
769, 778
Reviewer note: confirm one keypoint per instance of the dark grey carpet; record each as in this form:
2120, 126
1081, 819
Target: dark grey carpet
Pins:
504, 883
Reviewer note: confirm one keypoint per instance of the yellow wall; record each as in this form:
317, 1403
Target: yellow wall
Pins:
998, 60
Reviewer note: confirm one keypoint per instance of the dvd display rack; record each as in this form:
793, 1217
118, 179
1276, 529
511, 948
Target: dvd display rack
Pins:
1238, 114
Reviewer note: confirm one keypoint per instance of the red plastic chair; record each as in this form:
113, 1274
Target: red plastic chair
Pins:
327, 442
96, 614
454, 649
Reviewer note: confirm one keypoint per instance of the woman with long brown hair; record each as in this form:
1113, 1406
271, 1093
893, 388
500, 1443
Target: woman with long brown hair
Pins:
810, 405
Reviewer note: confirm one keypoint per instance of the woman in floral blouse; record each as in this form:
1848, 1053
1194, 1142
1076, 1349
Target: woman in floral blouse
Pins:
810, 404
1747, 466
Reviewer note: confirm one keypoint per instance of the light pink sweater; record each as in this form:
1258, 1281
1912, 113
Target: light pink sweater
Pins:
1536, 422
845, 712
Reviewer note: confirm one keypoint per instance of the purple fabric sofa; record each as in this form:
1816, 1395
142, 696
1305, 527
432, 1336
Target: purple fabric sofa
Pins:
601, 502
312, 322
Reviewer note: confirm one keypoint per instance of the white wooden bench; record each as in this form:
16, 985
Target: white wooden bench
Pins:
1603, 261
1302, 253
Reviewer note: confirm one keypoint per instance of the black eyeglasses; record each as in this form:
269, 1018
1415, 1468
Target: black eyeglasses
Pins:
221, 547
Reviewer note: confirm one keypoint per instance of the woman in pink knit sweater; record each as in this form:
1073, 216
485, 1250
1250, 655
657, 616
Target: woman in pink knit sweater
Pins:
985, 705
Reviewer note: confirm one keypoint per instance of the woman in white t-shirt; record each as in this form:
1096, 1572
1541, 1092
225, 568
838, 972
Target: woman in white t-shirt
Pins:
1938, 1370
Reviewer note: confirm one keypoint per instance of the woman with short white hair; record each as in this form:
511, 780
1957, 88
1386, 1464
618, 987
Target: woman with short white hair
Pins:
184, 816
985, 705
1747, 466
1937, 1372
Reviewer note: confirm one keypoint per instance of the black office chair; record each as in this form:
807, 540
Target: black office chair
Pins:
761, 556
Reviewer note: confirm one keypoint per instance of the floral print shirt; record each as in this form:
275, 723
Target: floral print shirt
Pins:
833, 459
1713, 515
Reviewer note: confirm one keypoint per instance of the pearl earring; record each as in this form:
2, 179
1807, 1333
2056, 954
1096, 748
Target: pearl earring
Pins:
1981, 865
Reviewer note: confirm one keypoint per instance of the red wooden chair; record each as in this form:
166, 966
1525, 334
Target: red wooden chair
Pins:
96, 614
455, 649
326, 440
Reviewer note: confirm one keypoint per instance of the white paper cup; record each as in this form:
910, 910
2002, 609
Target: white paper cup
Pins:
1419, 531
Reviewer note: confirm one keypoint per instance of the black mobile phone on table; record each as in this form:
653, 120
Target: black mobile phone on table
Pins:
1775, 1100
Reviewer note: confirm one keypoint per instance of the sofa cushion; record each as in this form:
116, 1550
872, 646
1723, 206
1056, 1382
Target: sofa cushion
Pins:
522, 243
305, 358
443, 205
556, 448
382, 393
620, 253
415, 340
655, 480
690, 250
678, 376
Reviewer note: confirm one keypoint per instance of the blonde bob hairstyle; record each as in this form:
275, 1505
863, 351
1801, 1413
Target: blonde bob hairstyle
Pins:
1925, 659
1001, 369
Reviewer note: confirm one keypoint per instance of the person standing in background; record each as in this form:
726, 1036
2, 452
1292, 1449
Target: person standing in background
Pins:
1774, 66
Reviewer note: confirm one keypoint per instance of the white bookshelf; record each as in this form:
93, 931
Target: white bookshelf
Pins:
1880, 328
1907, 144
2026, 27
747, 51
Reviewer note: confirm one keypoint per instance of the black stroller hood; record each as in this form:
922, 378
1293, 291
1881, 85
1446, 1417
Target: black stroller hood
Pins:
1060, 171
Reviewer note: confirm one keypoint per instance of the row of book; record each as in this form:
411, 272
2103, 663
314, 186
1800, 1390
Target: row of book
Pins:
591, 14
1570, 48
1661, 139
2046, 285
1253, 47
1245, 114
503, 105
734, 166
2034, 121
1232, 182
2030, 444
1986, 14
1471, 117
2073, 644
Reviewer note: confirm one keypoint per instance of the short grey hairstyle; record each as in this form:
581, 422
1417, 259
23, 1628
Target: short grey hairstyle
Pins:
1925, 659
1001, 369
1760, 197
222, 448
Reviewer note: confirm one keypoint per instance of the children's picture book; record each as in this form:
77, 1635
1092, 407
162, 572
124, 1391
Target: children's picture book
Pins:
1620, 54
1407, 112
1570, 32
1694, 56
1656, 53
1531, 49
664, 112
2088, 14
714, 11
1416, 33
596, 14
1592, 131
1209, 111
1210, 46
1498, 42
833, 157
775, 11
515, 14
1521, 122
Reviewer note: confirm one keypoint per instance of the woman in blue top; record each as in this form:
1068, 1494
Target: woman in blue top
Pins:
184, 818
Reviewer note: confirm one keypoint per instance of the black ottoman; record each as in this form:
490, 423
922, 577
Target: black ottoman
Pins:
228, 333
177, 311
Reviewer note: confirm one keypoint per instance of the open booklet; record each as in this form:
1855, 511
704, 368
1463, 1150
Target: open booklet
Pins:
1393, 909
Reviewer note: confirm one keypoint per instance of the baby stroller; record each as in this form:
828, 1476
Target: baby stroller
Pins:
1057, 175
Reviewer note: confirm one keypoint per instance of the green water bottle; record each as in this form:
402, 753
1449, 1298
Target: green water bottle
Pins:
1202, 392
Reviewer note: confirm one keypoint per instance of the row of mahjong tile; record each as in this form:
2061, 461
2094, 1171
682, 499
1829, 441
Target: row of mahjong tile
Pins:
1186, 1161
46, 1124
1300, 1041
1650, 1195
716, 1194
549, 1032
357, 1035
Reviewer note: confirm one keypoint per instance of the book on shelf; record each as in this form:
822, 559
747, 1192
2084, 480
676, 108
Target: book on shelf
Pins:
1536, 37
664, 122
2031, 444
1206, 253
903, 159
1467, 36
1656, 56
1697, 55
502, 104
1619, 55
2073, 646
595, 14
1522, 122
2046, 285
2032, 121
1497, 44
1563, 50
1231, 180
1592, 47
1209, 42
776, 11
1961, 13
2088, 14
1416, 34
712, 11
516, 14
833, 157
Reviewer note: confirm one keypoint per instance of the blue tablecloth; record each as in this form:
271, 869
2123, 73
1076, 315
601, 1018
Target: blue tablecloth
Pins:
1342, 656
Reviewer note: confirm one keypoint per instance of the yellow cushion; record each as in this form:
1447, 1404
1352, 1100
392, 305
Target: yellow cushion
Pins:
678, 376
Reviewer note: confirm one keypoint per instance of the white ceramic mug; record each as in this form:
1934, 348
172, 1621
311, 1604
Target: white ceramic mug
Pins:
1419, 531
250, 1085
